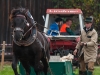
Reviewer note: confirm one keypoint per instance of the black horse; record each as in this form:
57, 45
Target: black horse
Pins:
30, 46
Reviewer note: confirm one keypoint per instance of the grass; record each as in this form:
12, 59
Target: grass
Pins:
96, 71
7, 70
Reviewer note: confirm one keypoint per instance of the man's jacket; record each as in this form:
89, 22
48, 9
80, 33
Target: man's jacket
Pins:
63, 27
89, 37
53, 30
66, 29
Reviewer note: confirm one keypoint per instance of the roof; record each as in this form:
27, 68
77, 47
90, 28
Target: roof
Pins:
64, 11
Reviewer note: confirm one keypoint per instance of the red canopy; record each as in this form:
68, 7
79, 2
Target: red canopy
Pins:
64, 11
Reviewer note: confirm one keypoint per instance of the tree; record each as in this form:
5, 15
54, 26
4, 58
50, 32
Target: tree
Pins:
88, 7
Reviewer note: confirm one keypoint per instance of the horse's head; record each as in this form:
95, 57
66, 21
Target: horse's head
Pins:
20, 25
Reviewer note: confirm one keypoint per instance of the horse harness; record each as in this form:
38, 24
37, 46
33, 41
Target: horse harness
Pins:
29, 41
32, 38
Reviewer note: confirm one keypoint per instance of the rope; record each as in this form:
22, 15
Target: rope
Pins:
48, 29
43, 26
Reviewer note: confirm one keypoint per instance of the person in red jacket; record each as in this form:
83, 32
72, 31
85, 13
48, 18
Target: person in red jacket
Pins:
65, 28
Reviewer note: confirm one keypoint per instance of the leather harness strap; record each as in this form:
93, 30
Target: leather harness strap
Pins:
28, 42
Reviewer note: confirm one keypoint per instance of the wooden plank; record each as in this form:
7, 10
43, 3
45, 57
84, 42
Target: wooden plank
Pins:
3, 53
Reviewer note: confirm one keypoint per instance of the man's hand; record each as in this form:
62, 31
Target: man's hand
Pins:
75, 51
83, 44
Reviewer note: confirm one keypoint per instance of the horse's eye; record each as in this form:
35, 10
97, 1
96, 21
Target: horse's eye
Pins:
12, 25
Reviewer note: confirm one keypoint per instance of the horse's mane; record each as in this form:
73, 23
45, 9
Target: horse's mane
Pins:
15, 12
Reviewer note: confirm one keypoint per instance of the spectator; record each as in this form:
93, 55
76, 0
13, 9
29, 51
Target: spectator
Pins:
65, 28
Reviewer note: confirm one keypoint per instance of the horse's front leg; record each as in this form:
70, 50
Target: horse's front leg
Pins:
37, 65
26, 67
14, 65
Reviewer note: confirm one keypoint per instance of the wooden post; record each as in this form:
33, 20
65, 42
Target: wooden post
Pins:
3, 53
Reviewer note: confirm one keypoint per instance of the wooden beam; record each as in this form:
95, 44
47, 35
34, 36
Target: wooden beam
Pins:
3, 53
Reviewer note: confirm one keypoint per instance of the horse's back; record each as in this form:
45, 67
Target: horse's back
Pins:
45, 42
42, 38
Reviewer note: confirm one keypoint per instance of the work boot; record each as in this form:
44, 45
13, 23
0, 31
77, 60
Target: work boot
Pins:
89, 73
85, 73
82, 72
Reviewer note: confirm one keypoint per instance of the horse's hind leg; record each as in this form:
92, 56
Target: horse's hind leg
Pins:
26, 67
14, 65
46, 65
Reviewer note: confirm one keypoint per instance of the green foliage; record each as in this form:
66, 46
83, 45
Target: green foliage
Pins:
89, 7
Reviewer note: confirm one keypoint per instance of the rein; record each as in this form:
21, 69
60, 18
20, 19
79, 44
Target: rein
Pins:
30, 28
43, 27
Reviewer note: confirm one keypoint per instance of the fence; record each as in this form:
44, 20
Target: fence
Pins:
3, 54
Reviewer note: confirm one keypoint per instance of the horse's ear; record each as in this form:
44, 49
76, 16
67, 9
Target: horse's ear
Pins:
12, 24
10, 17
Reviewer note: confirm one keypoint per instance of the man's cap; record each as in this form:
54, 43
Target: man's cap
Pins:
88, 19
58, 19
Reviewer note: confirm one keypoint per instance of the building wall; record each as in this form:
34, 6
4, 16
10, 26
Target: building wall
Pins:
36, 7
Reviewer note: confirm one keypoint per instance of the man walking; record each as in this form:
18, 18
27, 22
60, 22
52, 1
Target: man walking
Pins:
88, 40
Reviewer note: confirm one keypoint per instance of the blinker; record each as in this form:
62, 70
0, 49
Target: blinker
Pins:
27, 24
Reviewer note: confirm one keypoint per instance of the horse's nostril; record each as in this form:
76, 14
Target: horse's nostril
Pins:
22, 31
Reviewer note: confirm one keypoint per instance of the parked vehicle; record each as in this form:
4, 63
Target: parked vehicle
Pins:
64, 44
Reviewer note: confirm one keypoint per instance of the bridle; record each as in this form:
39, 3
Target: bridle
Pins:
31, 39
26, 23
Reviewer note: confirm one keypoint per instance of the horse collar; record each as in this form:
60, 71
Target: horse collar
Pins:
28, 42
